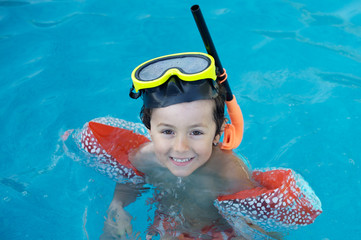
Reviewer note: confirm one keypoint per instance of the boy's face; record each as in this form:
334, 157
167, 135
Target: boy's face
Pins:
183, 135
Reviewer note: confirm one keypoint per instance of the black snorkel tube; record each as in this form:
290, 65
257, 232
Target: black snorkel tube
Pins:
233, 132
211, 49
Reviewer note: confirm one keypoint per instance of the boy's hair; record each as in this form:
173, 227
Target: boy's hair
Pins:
218, 111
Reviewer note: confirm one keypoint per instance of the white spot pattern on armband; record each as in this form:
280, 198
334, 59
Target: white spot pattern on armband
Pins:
105, 163
276, 210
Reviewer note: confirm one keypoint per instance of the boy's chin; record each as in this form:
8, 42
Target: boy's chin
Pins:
181, 173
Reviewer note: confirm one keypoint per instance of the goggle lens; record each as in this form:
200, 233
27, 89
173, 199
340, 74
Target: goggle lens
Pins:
185, 64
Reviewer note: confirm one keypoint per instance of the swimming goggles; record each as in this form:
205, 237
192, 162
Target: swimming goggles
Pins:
191, 66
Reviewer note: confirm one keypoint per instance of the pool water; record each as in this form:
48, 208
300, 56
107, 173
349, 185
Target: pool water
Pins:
294, 66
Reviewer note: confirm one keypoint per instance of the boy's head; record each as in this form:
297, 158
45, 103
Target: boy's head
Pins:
183, 109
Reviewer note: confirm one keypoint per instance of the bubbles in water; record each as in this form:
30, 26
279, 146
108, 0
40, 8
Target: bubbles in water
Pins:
180, 184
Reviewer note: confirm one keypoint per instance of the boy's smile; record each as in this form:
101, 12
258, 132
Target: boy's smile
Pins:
181, 161
183, 135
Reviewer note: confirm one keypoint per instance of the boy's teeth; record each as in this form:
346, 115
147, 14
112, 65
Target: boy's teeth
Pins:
181, 160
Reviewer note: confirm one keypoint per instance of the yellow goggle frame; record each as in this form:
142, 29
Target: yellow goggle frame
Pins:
173, 65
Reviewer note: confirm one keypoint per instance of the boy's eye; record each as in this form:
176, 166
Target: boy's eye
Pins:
196, 133
167, 132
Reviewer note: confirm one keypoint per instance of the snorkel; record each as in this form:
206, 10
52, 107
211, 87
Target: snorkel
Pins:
233, 132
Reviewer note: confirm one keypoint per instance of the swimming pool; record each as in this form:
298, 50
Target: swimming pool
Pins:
293, 65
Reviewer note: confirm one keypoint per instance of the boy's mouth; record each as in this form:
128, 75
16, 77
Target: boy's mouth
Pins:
181, 161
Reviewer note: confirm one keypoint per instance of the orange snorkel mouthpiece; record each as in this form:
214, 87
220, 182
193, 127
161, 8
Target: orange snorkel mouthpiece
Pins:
233, 133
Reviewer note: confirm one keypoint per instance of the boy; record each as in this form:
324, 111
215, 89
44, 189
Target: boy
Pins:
185, 131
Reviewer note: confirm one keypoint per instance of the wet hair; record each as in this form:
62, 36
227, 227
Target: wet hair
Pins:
218, 111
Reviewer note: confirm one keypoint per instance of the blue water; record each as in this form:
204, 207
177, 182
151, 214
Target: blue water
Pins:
295, 67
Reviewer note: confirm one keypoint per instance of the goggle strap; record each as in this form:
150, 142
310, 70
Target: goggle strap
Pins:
222, 77
133, 94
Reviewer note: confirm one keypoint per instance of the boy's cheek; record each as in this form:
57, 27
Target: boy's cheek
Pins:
158, 148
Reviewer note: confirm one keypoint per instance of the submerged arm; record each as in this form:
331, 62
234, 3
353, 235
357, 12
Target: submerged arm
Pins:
118, 220
125, 194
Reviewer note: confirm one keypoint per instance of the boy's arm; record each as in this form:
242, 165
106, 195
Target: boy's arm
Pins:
118, 220
125, 193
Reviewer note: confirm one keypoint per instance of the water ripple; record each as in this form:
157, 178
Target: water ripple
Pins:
26, 78
222, 11
5, 37
17, 186
339, 49
349, 11
282, 150
13, 3
312, 87
325, 19
48, 24
342, 50
339, 19
277, 34
343, 79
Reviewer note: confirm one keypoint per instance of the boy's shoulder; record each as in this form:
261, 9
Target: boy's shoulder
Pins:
147, 148
143, 156
232, 169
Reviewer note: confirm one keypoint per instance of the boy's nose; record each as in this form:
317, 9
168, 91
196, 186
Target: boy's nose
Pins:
181, 144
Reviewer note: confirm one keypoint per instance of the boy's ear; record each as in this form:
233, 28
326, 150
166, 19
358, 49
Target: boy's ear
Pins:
223, 125
218, 136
